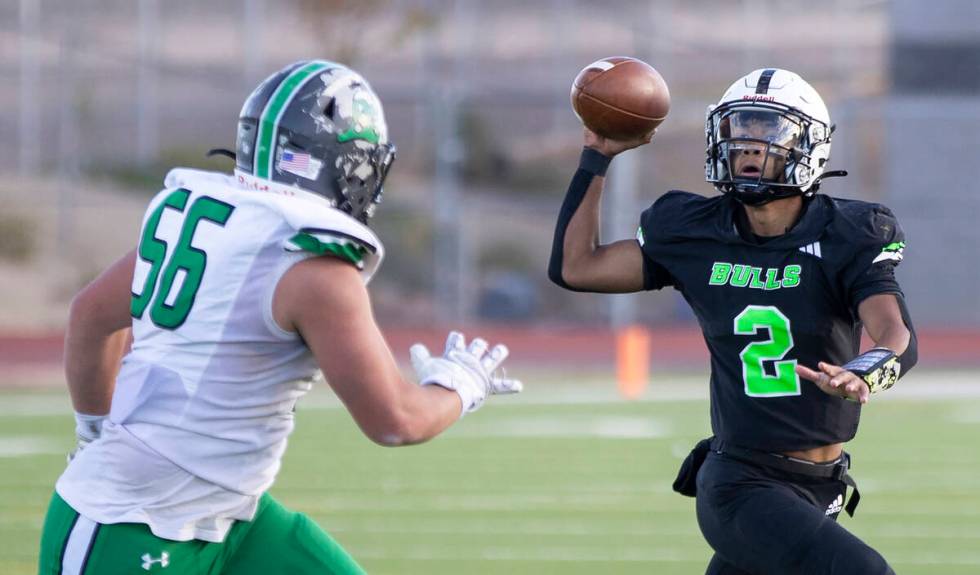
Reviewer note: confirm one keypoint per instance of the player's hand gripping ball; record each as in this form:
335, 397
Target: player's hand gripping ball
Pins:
620, 98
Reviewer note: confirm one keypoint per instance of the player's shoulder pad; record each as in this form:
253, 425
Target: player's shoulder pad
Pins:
189, 177
869, 226
317, 228
323, 230
679, 215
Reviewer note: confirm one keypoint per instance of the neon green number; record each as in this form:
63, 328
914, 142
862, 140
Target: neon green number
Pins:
757, 382
186, 258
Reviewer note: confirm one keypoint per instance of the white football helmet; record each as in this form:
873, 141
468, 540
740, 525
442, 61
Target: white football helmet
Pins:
767, 138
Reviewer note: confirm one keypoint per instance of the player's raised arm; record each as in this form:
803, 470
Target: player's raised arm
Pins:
579, 260
620, 101
325, 300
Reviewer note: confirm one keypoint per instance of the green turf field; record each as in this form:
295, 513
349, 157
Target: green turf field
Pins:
574, 481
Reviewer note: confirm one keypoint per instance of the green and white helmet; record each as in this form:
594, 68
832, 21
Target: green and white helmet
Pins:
318, 126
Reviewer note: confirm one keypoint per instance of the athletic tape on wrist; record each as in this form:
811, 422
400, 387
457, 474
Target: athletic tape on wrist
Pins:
879, 367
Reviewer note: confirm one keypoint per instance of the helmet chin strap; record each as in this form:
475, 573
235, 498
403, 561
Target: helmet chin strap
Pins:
221, 152
759, 198
764, 197
830, 174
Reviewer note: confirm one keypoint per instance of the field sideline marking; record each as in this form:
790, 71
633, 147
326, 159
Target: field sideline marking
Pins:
575, 554
29, 445
563, 527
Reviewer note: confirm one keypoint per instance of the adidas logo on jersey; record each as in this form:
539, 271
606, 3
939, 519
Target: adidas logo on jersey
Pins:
812, 249
835, 506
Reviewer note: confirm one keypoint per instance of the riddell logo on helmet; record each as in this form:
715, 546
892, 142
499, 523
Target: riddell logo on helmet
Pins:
759, 97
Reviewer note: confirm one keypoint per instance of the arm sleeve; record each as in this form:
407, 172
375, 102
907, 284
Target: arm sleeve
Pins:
573, 199
655, 275
872, 270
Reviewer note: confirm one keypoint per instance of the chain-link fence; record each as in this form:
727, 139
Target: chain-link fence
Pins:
102, 96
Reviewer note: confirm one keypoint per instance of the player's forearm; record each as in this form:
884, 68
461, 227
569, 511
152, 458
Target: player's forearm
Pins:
895, 337
887, 322
582, 237
426, 412
92, 357
577, 230
414, 414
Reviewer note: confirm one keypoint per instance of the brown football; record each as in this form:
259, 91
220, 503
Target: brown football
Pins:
620, 98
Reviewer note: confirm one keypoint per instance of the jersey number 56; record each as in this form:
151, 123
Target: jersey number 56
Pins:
165, 311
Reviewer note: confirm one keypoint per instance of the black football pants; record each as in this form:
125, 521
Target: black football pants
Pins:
762, 521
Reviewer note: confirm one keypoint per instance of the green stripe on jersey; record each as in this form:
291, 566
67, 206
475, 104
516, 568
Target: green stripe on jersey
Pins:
274, 108
339, 247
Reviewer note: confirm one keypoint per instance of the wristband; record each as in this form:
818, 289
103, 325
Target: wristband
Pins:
593, 162
879, 367
88, 427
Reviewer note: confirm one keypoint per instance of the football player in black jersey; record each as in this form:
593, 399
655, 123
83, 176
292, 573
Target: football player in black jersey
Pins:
781, 280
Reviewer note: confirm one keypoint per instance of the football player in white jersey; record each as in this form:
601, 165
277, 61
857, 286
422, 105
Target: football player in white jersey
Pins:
242, 288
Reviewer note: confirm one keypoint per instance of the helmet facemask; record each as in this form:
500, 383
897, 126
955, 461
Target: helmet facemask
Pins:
774, 118
360, 179
761, 151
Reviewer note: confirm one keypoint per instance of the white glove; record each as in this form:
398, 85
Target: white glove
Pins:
88, 428
469, 371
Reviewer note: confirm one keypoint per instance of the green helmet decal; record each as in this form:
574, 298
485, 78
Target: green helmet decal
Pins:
364, 120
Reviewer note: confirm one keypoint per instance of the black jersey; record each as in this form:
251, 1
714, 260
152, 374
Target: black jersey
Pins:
764, 306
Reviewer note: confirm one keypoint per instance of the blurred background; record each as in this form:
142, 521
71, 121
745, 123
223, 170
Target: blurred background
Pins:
100, 98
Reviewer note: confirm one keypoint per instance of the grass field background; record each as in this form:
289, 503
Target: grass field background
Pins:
566, 478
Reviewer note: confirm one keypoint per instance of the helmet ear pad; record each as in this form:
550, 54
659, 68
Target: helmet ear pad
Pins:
245, 144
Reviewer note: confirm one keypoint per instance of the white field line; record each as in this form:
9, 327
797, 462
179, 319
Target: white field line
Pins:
616, 555
448, 503
31, 405
631, 502
558, 528
564, 528
662, 388
611, 427
29, 445
532, 553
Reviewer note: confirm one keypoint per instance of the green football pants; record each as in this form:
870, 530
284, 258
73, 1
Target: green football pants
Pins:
276, 541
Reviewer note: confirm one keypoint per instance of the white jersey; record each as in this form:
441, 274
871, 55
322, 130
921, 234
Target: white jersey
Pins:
204, 400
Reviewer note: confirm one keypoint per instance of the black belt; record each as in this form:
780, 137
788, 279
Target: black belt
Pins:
833, 470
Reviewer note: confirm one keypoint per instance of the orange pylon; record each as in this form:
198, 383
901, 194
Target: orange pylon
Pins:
632, 360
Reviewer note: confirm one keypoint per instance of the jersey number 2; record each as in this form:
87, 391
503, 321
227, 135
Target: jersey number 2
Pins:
757, 382
186, 258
